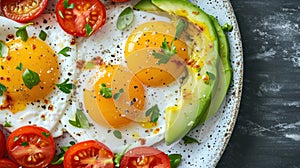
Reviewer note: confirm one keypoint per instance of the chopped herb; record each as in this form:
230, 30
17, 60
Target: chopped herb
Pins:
61, 14
89, 65
43, 35
2, 89
180, 27
66, 87
3, 50
7, 124
118, 95
189, 140
227, 27
20, 66
22, 32
125, 18
72, 143
64, 51
119, 157
25, 144
168, 52
16, 139
67, 6
46, 134
105, 91
209, 77
175, 160
60, 157
80, 120
154, 112
117, 134
88, 29
30, 78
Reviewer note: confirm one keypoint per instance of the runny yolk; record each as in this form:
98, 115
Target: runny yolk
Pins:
108, 113
35, 55
145, 40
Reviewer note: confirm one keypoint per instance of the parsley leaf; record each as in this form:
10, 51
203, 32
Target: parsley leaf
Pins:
67, 6
88, 29
105, 91
125, 18
20, 66
189, 140
80, 120
66, 87
3, 50
7, 124
47, 135
168, 52
64, 51
22, 32
2, 89
118, 95
119, 157
30, 78
43, 35
117, 134
227, 27
154, 112
60, 157
180, 27
25, 144
175, 160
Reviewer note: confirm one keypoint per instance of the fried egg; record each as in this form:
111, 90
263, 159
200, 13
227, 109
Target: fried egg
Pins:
120, 82
42, 103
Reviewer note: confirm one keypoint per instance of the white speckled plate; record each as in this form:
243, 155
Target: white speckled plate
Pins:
214, 134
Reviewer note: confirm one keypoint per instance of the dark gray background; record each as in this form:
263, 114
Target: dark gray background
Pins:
267, 131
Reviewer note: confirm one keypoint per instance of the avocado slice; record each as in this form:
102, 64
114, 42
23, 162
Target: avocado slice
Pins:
146, 5
196, 93
225, 74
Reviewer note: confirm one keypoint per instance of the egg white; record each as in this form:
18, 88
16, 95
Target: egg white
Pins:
109, 43
57, 39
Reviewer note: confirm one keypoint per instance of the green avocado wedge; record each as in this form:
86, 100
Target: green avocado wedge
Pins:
225, 74
146, 5
196, 93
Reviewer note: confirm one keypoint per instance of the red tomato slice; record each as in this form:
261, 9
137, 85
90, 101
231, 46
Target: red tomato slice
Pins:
78, 15
89, 154
31, 146
55, 166
23, 10
145, 157
6, 163
2, 144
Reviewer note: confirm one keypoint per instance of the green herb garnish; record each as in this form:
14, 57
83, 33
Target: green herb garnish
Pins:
46, 134
25, 144
20, 66
60, 157
22, 32
88, 29
3, 50
211, 77
2, 89
117, 134
80, 120
66, 87
154, 112
30, 78
67, 6
43, 35
64, 51
180, 27
105, 91
175, 160
118, 95
7, 124
167, 53
125, 18
119, 157
227, 27
189, 140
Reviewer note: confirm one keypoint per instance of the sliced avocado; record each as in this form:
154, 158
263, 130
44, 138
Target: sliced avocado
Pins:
146, 5
196, 93
225, 74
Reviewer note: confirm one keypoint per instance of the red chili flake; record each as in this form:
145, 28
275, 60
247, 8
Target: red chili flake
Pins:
73, 41
10, 36
195, 13
142, 141
80, 64
46, 101
8, 79
43, 117
50, 107
97, 61
8, 58
33, 46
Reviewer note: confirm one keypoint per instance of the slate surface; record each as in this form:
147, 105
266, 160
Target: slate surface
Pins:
267, 131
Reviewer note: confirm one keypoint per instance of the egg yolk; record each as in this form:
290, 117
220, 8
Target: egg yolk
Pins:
108, 112
34, 55
148, 38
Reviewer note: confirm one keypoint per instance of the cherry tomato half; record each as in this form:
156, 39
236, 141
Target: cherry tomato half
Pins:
31, 146
89, 154
23, 10
6, 163
145, 157
81, 17
2, 144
